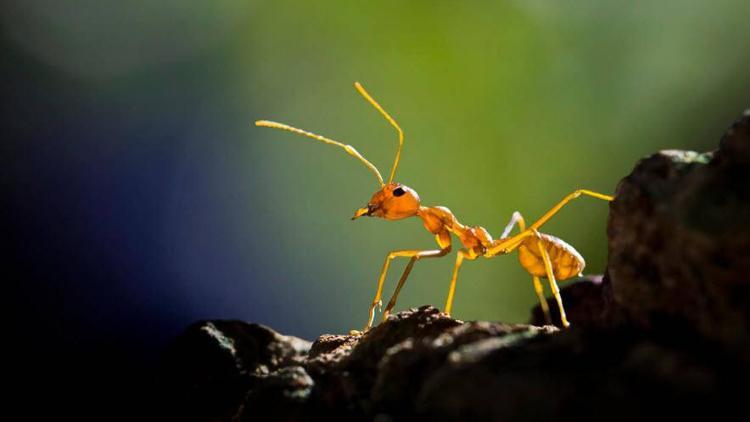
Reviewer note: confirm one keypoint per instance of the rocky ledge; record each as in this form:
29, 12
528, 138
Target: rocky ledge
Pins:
665, 332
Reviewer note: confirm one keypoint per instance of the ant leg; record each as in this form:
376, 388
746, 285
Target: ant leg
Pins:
405, 275
516, 218
401, 281
575, 194
551, 278
462, 254
452, 289
508, 245
378, 292
542, 300
409, 253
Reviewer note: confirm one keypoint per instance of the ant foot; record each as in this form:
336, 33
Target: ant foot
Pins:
385, 314
359, 332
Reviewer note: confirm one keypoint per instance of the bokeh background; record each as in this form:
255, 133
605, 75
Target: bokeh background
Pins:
139, 198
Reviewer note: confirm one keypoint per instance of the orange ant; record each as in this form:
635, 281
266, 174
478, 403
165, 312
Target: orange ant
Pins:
541, 255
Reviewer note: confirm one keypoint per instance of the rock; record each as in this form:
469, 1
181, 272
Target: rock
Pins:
588, 303
679, 240
580, 375
415, 367
207, 371
285, 391
423, 365
353, 365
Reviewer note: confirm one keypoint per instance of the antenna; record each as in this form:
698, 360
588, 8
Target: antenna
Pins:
393, 123
348, 148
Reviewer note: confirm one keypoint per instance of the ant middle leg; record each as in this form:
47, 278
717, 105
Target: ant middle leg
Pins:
462, 254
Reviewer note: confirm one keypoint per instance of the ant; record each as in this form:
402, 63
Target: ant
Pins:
541, 255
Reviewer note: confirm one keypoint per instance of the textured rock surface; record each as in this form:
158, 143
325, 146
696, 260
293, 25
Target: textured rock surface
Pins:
679, 240
207, 372
665, 333
422, 364
588, 303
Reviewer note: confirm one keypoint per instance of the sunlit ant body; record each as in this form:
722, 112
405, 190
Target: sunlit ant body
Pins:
541, 255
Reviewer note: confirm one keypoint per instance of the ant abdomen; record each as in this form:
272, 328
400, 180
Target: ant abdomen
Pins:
566, 261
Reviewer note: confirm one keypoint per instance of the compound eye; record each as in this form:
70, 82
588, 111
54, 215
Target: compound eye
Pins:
398, 191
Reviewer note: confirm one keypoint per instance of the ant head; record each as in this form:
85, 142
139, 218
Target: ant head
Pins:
393, 201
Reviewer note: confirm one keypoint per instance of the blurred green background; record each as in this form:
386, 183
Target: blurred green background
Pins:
507, 105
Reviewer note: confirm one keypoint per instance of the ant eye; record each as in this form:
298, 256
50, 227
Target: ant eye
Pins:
398, 191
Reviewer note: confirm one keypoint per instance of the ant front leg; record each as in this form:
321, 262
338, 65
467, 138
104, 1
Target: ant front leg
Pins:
401, 281
414, 255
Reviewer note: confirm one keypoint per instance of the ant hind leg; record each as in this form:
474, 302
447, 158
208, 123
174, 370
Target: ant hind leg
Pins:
551, 278
573, 195
517, 218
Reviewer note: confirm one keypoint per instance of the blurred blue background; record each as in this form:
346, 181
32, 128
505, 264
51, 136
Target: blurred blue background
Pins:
139, 198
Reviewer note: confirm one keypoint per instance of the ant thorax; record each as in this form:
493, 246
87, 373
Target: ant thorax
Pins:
438, 219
